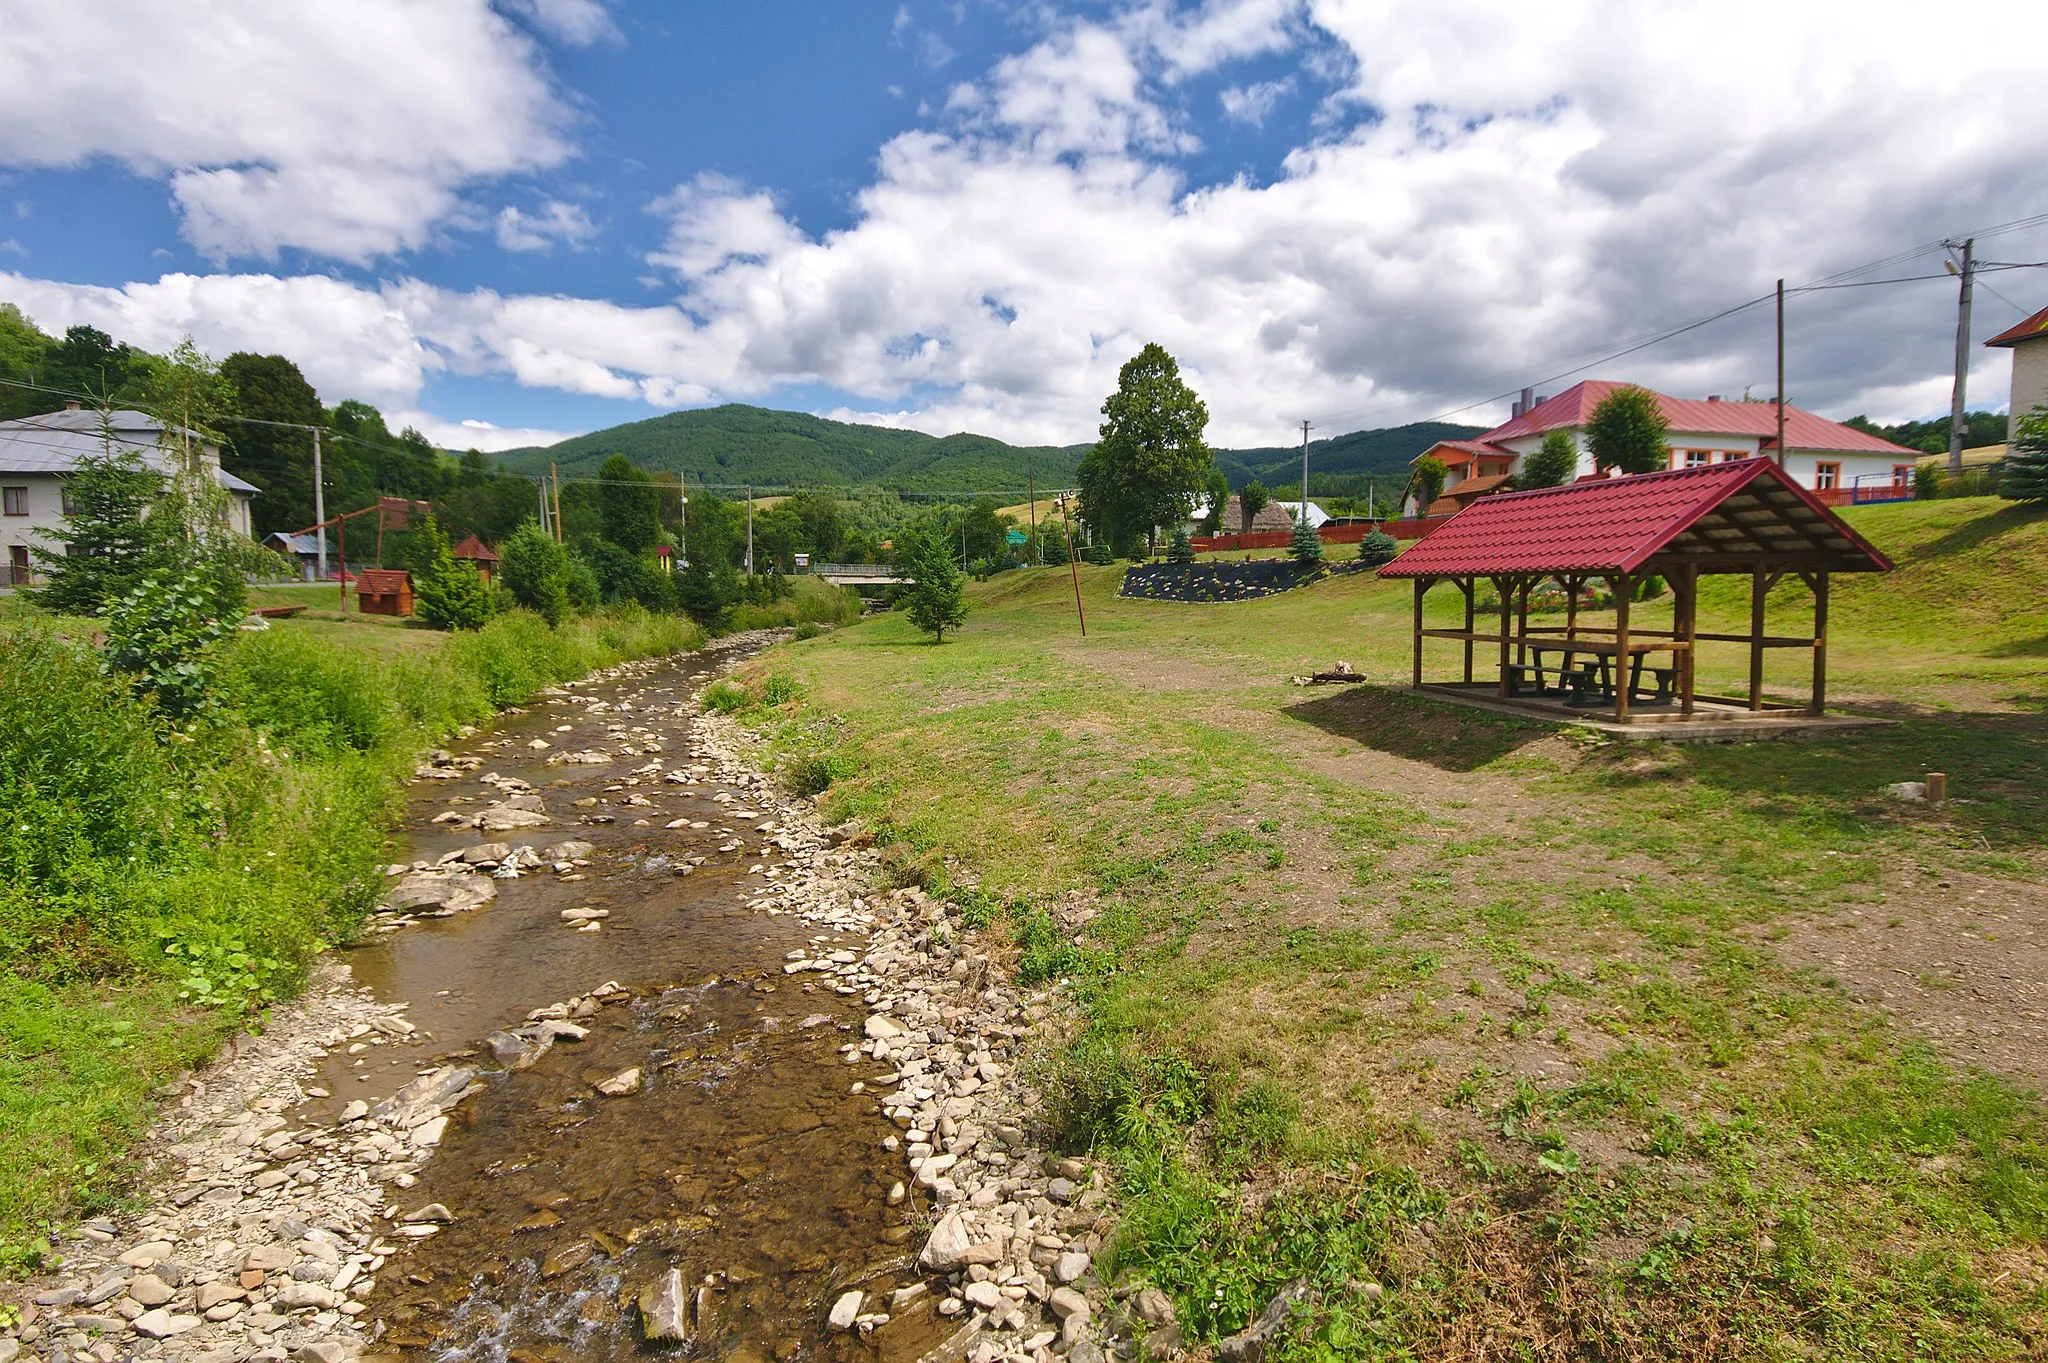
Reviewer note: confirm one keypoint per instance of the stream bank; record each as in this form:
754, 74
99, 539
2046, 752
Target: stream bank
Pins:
670, 1072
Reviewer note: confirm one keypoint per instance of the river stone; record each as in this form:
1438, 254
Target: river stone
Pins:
425, 1095
150, 1290
566, 1258
145, 1254
986, 1295
513, 1052
555, 1030
428, 1133
880, 1028
662, 1308
845, 1311
452, 891
1065, 1301
622, 1084
213, 1294
269, 1258
947, 1250
1249, 1344
568, 850
503, 819
321, 1351
161, 1324
1070, 1266
435, 1212
297, 1296
1155, 1307
485, 853
10, 1349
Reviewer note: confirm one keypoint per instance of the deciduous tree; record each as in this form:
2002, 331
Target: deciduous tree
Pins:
1627, 431
1552, 464
936, 599
1150, 459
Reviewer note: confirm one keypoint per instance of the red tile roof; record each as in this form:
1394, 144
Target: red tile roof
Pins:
2033, 329
1741, 510
1466, 447
475, 550
1803, 430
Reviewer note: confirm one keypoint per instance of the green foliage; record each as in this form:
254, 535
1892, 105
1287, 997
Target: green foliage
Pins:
2025, 478
277, 459
1251, 500
1926, 482
105, 544
1216, 492
630, 506
726, 697
535, 570
1101, 554
1627, 431
446, 594
1377, 547
1931, 437
1150, 461
1180, 549
623, 575
1430, 474
936, 598
162, 634
1552, 464
1306, 546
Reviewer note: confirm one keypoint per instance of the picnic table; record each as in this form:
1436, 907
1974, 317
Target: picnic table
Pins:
1588, 683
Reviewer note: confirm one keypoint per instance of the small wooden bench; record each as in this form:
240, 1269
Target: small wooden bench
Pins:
277, 612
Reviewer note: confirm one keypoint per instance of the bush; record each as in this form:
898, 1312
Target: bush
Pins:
1180, 549
535, 570
813, 773
446, 594
162, 634
780, 688
726, 697
1307, 545
1377, 547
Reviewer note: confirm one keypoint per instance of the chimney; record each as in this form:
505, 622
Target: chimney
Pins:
1713, 397
1527, 403
70, 406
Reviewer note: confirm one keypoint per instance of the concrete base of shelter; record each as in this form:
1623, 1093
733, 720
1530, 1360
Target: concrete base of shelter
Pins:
1713, 720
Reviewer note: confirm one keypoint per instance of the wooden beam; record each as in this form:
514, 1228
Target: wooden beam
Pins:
1759, 588
1504, 593
1689, 605
1469, 586
1819, 700
1624, 587
1421, 586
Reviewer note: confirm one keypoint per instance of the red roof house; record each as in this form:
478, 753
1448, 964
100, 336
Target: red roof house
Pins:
1747, 516
2028, 343
475, 551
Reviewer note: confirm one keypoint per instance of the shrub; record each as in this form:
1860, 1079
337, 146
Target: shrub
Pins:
813, 773
1377, 547
1551, 464
1926, 482
162, 635
446, 594
1180, 549
726, 697
2025, 478
780, 688
1307, 545
535, 570
810, 629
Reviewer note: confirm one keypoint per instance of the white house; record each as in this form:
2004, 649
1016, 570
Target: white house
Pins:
2028, 343
1838, 463
37, 453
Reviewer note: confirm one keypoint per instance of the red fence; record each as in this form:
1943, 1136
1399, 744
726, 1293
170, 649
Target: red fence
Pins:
1407, 529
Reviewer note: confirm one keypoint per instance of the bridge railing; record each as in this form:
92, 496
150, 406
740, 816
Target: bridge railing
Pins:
849, 570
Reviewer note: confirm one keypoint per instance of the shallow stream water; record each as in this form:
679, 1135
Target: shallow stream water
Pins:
745, 1159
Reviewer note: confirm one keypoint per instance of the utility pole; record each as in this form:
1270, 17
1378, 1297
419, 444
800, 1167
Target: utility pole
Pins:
319, 506
683, 479
555, 476
1304, 473
1031, 492
541, 487
1781, 373
1957, 420
750, 529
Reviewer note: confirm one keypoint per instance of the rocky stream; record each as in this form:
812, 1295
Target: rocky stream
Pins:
637, 1058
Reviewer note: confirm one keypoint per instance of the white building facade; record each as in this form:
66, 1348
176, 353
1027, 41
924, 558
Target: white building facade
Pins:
37, 455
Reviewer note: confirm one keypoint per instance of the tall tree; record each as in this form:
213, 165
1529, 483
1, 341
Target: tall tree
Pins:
2026, 462
1215, 492
1429, 482
447, 593
936, 599
629, 506
1551, 464
1150, 460
24, 350
278, 459
1627, 431
106, 544
1251, 500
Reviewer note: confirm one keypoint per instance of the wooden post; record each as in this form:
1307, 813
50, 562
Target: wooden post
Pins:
1571, 621
1469, 586
1504, 591
1759, 587
1522, 615
1937, 787
1624, 586
1421, 586
1689, 603
1818, 702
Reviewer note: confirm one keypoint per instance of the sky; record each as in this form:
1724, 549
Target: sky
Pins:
507, 221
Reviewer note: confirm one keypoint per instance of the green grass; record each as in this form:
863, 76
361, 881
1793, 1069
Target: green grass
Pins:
1378, 991
158, 889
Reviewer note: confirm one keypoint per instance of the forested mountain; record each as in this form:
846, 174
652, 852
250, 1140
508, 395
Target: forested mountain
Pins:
738, 445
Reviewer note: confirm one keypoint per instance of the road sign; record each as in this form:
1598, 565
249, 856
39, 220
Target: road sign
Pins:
1015, 537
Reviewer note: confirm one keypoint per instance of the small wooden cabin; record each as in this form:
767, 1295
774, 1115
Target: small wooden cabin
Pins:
475, 551
384, 591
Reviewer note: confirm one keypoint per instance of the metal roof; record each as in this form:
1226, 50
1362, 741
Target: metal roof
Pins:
2033, 329
55, 441
1804, 430
1726, 517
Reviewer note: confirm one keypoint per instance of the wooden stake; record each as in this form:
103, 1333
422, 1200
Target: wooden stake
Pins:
1819, 700
1759, 587
1937, 787
1421, 586
1469, 586
1624, 587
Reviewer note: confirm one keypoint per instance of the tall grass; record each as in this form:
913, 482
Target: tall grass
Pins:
157, 885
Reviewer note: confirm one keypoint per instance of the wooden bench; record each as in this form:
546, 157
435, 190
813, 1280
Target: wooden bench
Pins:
277, 612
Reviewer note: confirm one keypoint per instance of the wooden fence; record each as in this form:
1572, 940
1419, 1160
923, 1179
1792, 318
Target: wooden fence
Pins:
1409, 528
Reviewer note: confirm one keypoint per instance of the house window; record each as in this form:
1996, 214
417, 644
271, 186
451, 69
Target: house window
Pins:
1692, 459
64, 496
1902, 475
14, 501
1827, 476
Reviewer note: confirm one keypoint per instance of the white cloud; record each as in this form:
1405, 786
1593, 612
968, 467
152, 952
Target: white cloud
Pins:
578, 23
473, 434
1531, 186
557, 223
345, 130
1252, 103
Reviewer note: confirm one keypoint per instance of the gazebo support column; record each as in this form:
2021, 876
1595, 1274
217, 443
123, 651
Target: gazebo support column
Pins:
1504, 594
1421, 586
1759, 588
1687, 584
1624, 588
1469, 586
1818, 702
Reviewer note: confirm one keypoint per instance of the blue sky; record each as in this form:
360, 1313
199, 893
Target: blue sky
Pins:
538, 217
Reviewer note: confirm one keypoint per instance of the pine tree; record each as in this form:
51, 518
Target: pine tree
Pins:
2026, 460
937, 596
1377, 548
1181, 549
1307, 546
445, 594
106, 542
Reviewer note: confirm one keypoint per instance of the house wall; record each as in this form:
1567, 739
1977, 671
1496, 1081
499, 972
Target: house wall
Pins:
2029, 377
45, 510
1721, 446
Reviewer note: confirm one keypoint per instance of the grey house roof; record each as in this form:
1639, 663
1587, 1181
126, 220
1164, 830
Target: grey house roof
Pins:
307, 545
55, 441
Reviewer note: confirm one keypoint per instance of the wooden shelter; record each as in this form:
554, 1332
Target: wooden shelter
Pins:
384, 591
475, 552
1745, 516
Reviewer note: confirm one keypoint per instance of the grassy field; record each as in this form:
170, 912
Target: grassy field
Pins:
158, 889
1509, 1041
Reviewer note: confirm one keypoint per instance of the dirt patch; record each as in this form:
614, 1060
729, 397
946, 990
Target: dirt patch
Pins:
1410, 727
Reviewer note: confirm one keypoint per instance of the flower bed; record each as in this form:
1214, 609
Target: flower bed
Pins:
1212, 582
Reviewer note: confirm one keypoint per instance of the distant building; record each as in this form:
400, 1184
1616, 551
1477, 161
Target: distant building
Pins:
37, 454
2028, 343
485, 559
306, 549
1835, 461
1271, 516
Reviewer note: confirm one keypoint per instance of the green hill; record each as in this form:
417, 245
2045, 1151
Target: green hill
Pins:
736, 445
